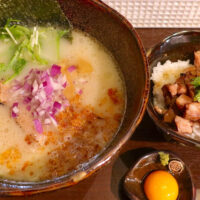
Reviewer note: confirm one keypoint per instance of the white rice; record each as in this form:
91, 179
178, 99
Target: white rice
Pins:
165, 74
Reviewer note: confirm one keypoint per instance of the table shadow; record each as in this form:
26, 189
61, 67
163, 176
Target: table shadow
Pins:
147, 131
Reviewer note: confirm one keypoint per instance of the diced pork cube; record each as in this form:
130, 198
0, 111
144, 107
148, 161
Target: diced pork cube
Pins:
173, 89
182, 89
183, 125
169, 116
193, 111
182, 100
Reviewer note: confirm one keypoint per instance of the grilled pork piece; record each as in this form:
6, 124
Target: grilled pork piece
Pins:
188, 78
193, 111
169, 116
179, 99
182, 100
173, 89
166, 95
182, 89
159, 110
183, 125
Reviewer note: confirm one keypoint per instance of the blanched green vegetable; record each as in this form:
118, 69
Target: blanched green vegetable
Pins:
26, 45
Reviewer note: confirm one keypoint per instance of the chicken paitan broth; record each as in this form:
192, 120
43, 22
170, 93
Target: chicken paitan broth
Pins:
62, 101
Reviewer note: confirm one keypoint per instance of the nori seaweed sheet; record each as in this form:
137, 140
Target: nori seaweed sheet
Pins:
33, 12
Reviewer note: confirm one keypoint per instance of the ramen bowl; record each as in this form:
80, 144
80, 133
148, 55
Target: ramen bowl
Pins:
119, 37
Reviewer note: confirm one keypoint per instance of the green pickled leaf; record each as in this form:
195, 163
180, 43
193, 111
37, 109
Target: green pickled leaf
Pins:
196, 82
197, 96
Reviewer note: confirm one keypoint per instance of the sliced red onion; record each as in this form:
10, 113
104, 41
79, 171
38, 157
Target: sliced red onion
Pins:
43, 94
27, 100
53, 121
17, 87
21, 91
53, 111
44, 75
80, 91
44, 84
30, 72
48, 88
66, 103
41, 113
15, 109
71, 68
57, 105
27, 87
55, 85
61, 79
38, 126
64, 85
14, 115
47, 121
28, 107
55, 70
26, 77
38, 71
15, 104
36, 97
35, 87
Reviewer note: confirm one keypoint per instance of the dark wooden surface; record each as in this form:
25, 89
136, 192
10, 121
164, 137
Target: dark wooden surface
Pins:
107, 183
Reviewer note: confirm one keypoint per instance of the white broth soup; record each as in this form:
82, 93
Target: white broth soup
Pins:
62, 100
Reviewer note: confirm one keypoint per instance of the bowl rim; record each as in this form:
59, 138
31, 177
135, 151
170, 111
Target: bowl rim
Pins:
156, 152
162, 125
29, 188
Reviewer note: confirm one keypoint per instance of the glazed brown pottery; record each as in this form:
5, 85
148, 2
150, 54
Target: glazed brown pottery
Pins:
119, 37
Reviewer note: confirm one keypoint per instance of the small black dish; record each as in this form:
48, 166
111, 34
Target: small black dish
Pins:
133, 183
179, 46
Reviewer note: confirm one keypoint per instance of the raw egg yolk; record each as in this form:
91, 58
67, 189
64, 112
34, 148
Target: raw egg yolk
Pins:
161, 185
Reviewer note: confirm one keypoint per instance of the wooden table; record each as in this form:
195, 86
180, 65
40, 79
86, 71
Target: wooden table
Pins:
107, 183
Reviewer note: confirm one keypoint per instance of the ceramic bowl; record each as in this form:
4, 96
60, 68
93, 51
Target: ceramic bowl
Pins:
121, 39
179, 46
133, 183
